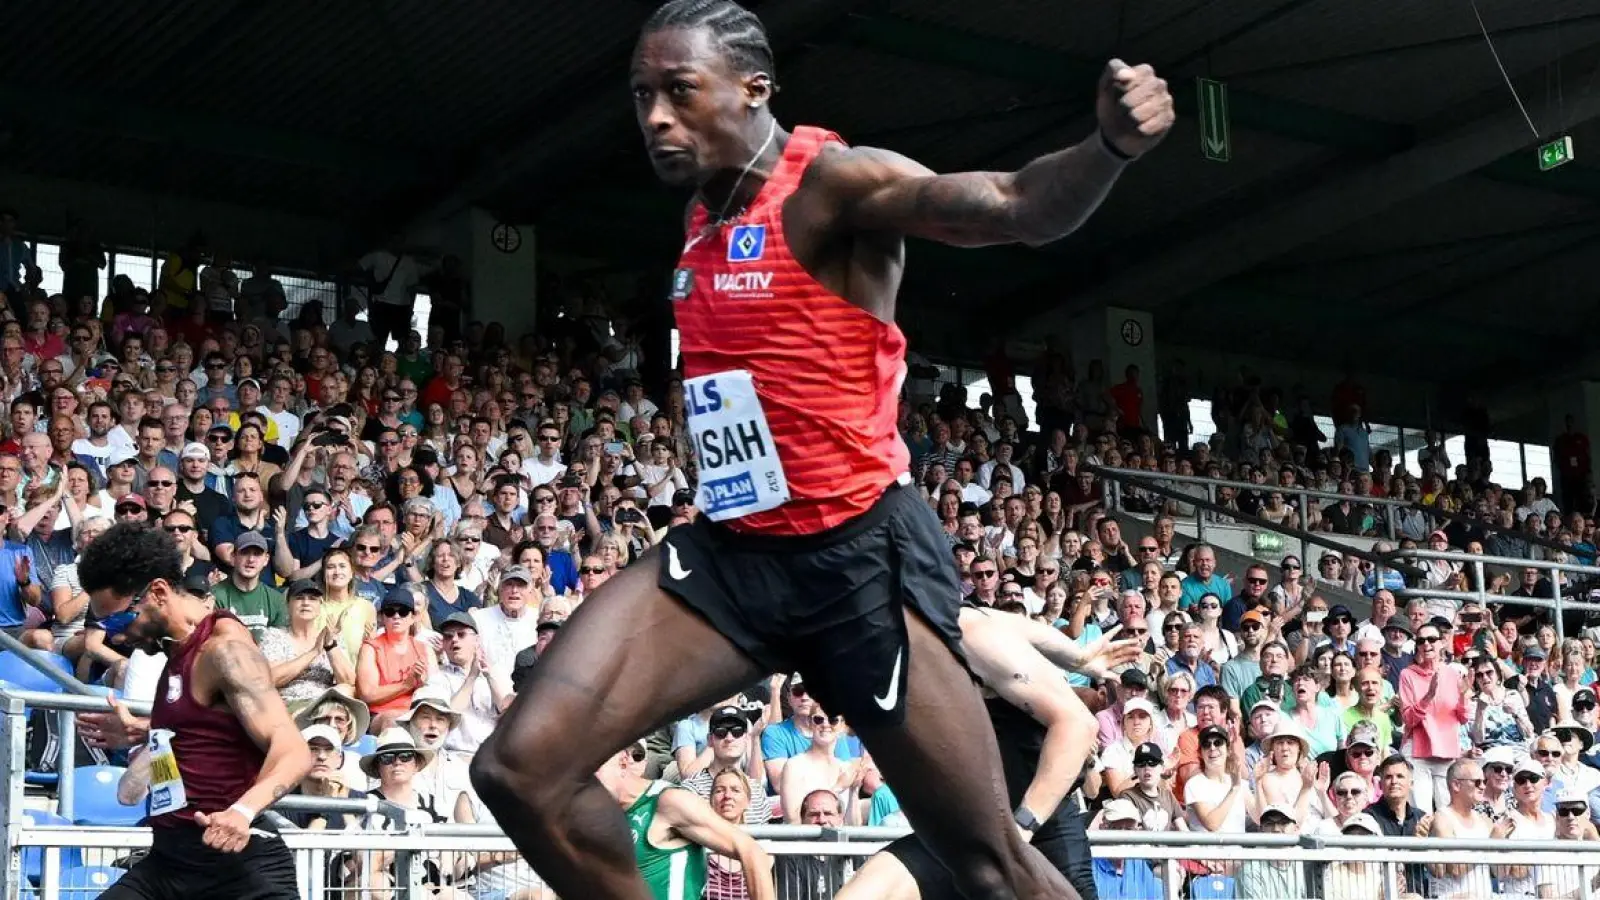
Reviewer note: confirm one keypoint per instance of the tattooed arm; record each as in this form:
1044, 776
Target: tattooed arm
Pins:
876, 190
238, 674
1007, 664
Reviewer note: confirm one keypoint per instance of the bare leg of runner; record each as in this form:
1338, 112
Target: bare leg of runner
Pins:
630, 659
944, 765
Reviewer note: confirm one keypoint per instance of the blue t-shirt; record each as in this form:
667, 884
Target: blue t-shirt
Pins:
308, 549
563, 571
12, 612
784, 740
440, 609
227, 528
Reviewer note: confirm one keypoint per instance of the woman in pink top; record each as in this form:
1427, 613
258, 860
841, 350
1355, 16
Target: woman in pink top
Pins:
393, 663
1433, 704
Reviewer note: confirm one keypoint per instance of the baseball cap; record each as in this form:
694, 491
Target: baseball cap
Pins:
250, 382
399, 596
549, 625
300, 586
1571, 795
460, 618
1363, 821
1528, 765
1364, 734
683, 496
250, 540
570, 481
728, 715
1148, 754
1438, 534
131, 500
1134, 677
1120, 810
1211, 731
1278, 809
1537, 652
1500, 755
323, 732
194, 450
120, 455
517, 573
1253, 615
1267, 703
1138, 704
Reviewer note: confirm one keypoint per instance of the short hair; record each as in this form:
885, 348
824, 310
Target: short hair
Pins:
822, 792
739, 34
1394, 759
127, 558
1217, 693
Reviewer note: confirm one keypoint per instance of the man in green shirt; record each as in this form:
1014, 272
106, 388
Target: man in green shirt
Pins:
256, 604
672, 829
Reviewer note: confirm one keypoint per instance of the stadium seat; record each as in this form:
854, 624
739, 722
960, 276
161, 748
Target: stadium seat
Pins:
16, 672
88, 882
95, 798
33, 857
1212, 887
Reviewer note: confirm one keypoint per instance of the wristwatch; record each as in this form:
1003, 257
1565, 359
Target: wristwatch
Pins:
1026, 820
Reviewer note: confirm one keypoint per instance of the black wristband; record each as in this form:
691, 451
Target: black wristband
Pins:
1112, 148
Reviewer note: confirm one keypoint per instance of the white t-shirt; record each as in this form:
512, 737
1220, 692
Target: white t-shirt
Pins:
504, 638
543, 473
402, 285
1202, 789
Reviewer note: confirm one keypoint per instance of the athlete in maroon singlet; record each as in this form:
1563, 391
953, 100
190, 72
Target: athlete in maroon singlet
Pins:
810, 554
219, 745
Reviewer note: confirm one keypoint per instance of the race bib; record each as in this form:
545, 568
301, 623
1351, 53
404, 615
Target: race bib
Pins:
166, 784
739, 469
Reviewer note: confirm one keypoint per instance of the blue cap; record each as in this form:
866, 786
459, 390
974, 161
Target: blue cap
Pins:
400, 596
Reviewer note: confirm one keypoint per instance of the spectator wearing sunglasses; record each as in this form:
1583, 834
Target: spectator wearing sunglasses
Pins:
393, 663
792, 736
734, 742
1433, 707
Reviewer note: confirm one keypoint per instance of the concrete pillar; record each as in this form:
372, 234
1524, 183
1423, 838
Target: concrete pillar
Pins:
501, 262
1118, 338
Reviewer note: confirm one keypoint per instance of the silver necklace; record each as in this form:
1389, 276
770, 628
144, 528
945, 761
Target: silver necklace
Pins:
722, 216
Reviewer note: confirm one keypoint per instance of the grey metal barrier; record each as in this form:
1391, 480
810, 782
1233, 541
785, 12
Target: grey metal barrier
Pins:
813, 863
1476, 563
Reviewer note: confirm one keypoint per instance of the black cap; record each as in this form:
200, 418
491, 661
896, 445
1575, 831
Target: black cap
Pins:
460, 618
400, 596
1441, 623
1148, 754
728, 715
1213, 731
570, 481
1340, 610
682, 497
302, 586
1135, 678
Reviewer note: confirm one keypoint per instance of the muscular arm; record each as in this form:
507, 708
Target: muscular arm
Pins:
879, 190
693, 820
240, 676
1096, 659
999, 652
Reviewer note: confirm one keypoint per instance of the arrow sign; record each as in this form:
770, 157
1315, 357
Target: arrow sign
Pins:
1556, 153
1216, 137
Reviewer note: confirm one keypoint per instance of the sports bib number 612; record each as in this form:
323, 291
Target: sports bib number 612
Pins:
740, 472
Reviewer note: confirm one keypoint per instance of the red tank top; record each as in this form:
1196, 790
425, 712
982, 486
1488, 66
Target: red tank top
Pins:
217, 758
827, 372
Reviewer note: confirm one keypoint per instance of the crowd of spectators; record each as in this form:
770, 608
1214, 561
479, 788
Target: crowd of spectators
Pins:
406, 530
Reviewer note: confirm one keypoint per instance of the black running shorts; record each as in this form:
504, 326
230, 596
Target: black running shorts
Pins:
829, 605
181, 867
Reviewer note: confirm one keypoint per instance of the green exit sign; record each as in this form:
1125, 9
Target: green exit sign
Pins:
1555, 153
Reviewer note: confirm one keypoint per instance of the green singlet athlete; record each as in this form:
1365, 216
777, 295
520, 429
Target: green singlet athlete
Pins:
673, 828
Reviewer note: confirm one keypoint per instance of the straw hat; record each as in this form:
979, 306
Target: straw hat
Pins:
393, 740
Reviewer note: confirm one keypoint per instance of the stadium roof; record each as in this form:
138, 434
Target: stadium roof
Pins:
1383, 189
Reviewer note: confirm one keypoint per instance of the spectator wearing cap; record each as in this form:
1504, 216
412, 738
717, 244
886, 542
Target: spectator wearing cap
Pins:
1151, 791
326, 778
1217, 798
1352, 794
1433, 707
1357, 879
1242, 670
1138, 728
298, 554
121, 472
476, 692
393, 663
1398, 647
1337, 629
1539, 685
683, 509
1527, 818
1263, 723
733, 742
132, 508
195, 486
1273, 879
792, 736
1572, 824
305, 655
1571, 774
507, 627
250, 513
1114, 877
339, 709
1372, 708
257, 604
1132, 684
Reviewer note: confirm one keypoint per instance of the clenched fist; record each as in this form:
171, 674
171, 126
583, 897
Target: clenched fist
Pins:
1133, 107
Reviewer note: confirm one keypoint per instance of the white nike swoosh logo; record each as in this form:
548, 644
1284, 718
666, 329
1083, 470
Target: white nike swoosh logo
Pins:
675, 568
892, 696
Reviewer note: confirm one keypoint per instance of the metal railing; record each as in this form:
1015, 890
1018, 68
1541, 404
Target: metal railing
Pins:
1116, 479
1479, 589
1391, 862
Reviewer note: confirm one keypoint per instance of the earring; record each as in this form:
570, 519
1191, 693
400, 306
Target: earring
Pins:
755, 104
